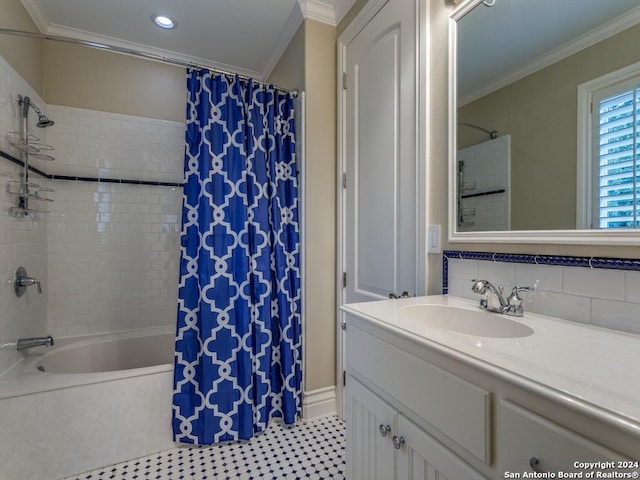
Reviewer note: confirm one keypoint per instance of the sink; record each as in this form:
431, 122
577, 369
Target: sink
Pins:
478, 323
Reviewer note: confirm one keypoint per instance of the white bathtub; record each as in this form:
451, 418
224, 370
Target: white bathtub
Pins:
110, 353
100, 400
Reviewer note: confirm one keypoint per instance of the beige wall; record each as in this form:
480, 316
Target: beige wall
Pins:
289, 72
23, 54
309, 64
437, 81
83, 77
320, 66
543, 156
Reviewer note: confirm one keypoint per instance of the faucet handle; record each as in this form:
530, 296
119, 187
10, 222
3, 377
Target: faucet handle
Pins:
514, 299
39, 287
518, 288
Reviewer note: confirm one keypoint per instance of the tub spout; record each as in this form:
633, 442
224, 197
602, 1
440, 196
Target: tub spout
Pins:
23, 343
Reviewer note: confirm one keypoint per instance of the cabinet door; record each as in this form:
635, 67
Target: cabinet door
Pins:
527, 442
421, 457
369, 453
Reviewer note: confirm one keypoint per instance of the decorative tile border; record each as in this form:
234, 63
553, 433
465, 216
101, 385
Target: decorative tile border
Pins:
563, 261
50, 176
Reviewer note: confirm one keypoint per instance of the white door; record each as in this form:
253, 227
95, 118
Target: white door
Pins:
380, 164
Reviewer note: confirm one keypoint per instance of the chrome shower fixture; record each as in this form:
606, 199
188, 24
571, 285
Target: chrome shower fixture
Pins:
486, 3
43, 120
492, 133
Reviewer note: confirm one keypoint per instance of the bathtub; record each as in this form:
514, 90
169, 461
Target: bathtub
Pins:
85, 403
110, 353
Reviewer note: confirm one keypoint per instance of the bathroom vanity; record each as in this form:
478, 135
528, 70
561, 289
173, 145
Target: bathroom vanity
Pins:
437, 388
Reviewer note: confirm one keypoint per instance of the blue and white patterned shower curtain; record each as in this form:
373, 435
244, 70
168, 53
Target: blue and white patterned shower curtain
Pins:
238, 343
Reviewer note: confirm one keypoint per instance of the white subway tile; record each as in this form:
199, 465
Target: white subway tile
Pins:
568, 307
617, 315
594, 282
543, 277
463, 269
498, 273
632, 287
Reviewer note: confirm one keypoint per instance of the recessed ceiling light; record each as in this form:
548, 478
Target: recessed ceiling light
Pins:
163, 21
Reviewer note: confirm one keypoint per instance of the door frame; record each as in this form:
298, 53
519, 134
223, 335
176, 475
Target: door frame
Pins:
422, 165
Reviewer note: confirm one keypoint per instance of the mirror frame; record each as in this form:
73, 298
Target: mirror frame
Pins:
576, 237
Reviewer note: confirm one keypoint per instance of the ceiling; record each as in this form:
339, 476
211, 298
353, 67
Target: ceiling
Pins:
244, 36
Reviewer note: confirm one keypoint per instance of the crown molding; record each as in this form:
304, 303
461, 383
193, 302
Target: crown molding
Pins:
584, 41
37, 14
318, 10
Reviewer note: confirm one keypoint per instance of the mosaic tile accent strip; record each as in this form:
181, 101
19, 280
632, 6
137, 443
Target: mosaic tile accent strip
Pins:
313, 450
563, 261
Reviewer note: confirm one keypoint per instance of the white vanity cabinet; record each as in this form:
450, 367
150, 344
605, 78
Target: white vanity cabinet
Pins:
415, 412
382, 444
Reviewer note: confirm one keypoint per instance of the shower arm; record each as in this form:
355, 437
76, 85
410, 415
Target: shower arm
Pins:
492, 133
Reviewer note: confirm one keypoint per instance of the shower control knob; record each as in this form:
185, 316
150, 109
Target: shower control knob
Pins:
22, 281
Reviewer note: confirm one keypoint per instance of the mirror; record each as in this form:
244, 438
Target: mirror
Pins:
520, 142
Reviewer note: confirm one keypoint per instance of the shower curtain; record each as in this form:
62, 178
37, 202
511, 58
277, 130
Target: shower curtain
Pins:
238, 342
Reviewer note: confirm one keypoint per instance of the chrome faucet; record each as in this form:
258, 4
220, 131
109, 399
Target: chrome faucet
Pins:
492, 299
23, 343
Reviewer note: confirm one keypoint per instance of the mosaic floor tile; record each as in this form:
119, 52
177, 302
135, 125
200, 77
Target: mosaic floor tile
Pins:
313, 450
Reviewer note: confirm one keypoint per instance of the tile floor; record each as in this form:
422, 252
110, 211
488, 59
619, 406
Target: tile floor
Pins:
314, 450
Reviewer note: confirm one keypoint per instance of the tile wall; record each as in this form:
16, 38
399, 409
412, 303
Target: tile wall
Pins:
574, 288
113, 248
107, 252
22, 240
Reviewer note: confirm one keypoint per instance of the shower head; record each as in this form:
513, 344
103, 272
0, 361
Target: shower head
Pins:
44, 121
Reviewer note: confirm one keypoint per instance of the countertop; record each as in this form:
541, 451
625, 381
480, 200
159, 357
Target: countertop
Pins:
592, 369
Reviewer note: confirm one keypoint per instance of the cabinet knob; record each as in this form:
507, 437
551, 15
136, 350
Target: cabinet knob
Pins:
384, 429
534, 463
398, 442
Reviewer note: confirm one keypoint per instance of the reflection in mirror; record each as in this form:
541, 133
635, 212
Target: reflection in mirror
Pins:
530, 71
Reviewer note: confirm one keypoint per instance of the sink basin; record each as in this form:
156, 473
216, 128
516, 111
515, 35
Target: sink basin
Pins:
478, 323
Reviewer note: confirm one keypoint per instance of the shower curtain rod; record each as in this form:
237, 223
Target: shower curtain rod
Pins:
136, 53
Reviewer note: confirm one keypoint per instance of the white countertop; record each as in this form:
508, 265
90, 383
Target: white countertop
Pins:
594, 370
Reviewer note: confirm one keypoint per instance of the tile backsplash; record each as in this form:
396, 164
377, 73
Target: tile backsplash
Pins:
597, 291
